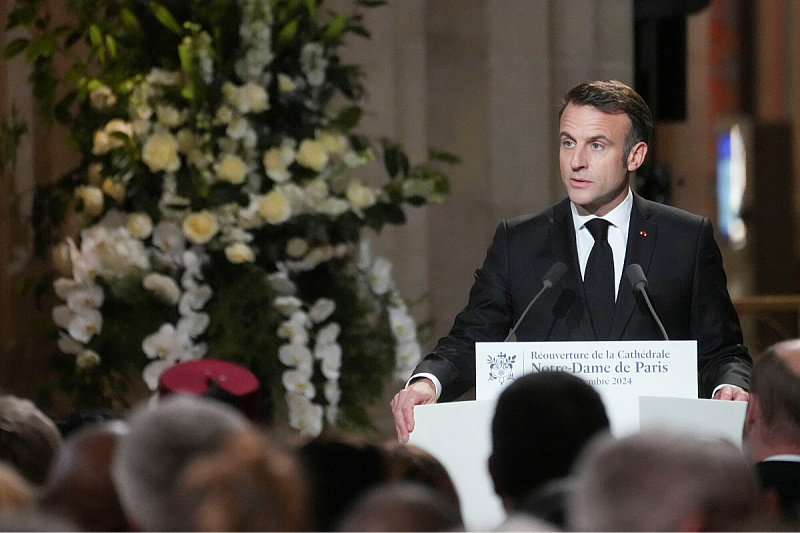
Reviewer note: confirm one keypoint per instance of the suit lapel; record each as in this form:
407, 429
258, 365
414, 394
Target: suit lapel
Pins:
641, 242
562, 243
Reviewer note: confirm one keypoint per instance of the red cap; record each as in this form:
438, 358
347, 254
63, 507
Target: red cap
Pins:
222, 380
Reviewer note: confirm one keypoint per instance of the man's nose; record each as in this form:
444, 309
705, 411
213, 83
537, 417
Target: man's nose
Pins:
578, 159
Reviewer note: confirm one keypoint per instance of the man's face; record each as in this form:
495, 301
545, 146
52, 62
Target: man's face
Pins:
592, 166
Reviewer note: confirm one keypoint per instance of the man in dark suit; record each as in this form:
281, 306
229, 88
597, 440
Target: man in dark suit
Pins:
604, 131
771, 432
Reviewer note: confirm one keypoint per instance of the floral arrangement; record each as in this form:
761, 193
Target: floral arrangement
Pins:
220, 202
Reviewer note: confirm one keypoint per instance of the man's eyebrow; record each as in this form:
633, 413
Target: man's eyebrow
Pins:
590, 140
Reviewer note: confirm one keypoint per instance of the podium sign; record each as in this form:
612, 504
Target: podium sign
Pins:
615, 368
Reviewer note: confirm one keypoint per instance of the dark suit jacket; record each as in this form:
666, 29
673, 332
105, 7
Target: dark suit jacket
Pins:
686, 283
784, 478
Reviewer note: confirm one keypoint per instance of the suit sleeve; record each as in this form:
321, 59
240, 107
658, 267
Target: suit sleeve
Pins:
486, 317
722, 358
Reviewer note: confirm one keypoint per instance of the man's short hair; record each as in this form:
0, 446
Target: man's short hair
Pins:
777, 387
161, 441
654, 481
541, 423
614, 97
29, 439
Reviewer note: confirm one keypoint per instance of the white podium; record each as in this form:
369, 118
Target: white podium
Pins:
459, 435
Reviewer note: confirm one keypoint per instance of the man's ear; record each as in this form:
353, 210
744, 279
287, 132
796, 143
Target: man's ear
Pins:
751, 414
493, 473
636, 156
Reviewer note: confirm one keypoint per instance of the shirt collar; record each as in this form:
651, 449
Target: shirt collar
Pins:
784, 457
620, 216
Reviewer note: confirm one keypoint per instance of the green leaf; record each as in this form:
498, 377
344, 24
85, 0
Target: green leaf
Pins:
21, 16
311, 5
394, 159
129, 21
42, 46
165, 17
287, 33
335, 28
444, 157
111, 46
15, 47
348, 118
95, 36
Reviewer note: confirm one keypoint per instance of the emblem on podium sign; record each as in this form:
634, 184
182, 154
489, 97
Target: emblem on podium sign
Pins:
501, 367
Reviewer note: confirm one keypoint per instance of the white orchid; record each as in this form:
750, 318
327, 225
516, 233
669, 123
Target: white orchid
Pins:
296, 356
304, 415
298, 380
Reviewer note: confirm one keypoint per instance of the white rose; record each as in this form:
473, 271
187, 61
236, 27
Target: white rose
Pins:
160, 152
285, 83
163, 77
115, 190
170, 116
359, 195
200, 227
256, 97
275, 207
276, 162
312, 155
317, 190
224, 114
333, 141
187, 140
140, 225
296, 247
239, 252
333, 206
232, 169
102, 98
92, 199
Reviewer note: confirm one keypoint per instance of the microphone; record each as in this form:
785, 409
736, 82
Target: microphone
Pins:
639, 283
553, 276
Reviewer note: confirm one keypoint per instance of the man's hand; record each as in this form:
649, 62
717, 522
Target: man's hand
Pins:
731, 392
421, 391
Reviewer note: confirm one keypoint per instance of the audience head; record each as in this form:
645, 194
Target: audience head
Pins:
403, 506
541, 423
250, 484
663, 482
16, 492
81, 418
409, 463
29, 439
772, 422
79, 485
162, 439
340, 469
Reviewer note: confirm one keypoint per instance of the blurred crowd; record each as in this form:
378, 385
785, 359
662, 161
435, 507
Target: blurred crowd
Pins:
193, 463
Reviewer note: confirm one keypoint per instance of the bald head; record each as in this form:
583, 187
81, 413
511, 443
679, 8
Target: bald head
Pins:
789, 352
772, 423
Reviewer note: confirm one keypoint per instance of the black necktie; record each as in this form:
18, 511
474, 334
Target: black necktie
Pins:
598, 280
